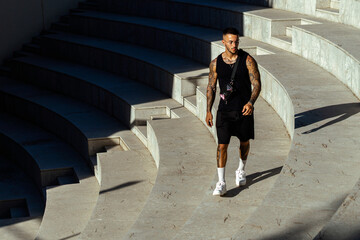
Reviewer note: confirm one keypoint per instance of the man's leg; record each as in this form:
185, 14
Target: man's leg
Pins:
220, 188
244, 148
243, 153
222, 155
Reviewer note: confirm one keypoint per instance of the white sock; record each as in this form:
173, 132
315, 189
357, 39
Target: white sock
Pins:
242, 164
221, 174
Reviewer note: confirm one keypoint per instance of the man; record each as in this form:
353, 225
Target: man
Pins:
235, 111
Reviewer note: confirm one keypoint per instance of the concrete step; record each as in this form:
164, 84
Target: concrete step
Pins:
126, 182
328, 13
141, 133
191, 12
304, 196
74, 201
17, 212
288, 32
103, 90
21, 53
160, 34
65, 19
205, 42
182, 161
83, 126
329, 45
60, 26
283, 42
25, 142
344, 224
221, 218
335, 4
31, 48
88, 5
21, 203
76, 10
310, 32
190, 104
312, 8
176, 77
5, 71
68, 209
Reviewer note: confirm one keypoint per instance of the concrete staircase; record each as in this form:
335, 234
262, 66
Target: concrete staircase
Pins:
21, 204
146, 67
61, 177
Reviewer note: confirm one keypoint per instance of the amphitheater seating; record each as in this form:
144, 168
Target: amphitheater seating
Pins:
109, 48
21, 204
57, 171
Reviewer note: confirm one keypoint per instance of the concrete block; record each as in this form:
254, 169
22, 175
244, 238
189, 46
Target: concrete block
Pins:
75, 211
97, 145
326, 54
152, 144
344, 223
278, 27
328, 14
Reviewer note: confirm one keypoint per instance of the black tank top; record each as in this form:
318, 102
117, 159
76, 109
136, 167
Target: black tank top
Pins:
242, 83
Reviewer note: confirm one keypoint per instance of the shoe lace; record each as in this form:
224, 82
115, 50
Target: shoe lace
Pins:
219, 185
241, 174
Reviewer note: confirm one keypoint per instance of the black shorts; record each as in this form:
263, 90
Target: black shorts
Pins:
233, 123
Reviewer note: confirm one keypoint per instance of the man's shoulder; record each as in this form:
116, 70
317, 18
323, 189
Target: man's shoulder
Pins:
243, 52
213, 63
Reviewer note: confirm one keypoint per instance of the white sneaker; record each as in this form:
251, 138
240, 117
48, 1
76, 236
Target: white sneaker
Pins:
220, 189
240, 178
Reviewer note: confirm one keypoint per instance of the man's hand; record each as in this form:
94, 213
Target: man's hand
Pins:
209, 119
247, 109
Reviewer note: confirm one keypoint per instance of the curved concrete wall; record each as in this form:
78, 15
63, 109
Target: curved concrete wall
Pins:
348, 10
329, 56
20, 20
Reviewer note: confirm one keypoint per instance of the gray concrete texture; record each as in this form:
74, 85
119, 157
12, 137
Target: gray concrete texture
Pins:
123, 193
270, 23
84, 127
23, 19
16, 184
338, 11
230, 212
206, 40
74, 201
134, 62
268, 20
25, 143
129, 101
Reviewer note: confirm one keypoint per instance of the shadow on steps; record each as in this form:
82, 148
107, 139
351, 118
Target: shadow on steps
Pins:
127, 184
341, 111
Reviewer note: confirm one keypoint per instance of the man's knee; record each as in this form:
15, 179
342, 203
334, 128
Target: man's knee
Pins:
245, 143
223, 147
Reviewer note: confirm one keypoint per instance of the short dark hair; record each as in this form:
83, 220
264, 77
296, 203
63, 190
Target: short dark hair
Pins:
231, 30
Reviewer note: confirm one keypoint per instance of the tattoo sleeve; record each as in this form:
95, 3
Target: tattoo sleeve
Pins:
254, 78
211, 87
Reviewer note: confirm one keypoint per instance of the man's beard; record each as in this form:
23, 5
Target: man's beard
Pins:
232, 51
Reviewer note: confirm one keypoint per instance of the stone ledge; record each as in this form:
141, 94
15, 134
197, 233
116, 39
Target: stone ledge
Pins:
135, 62
64, 113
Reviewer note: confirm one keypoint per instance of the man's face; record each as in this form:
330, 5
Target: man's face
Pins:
231, 42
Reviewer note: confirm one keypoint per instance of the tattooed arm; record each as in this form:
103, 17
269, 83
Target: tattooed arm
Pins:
256, 83
210, 92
